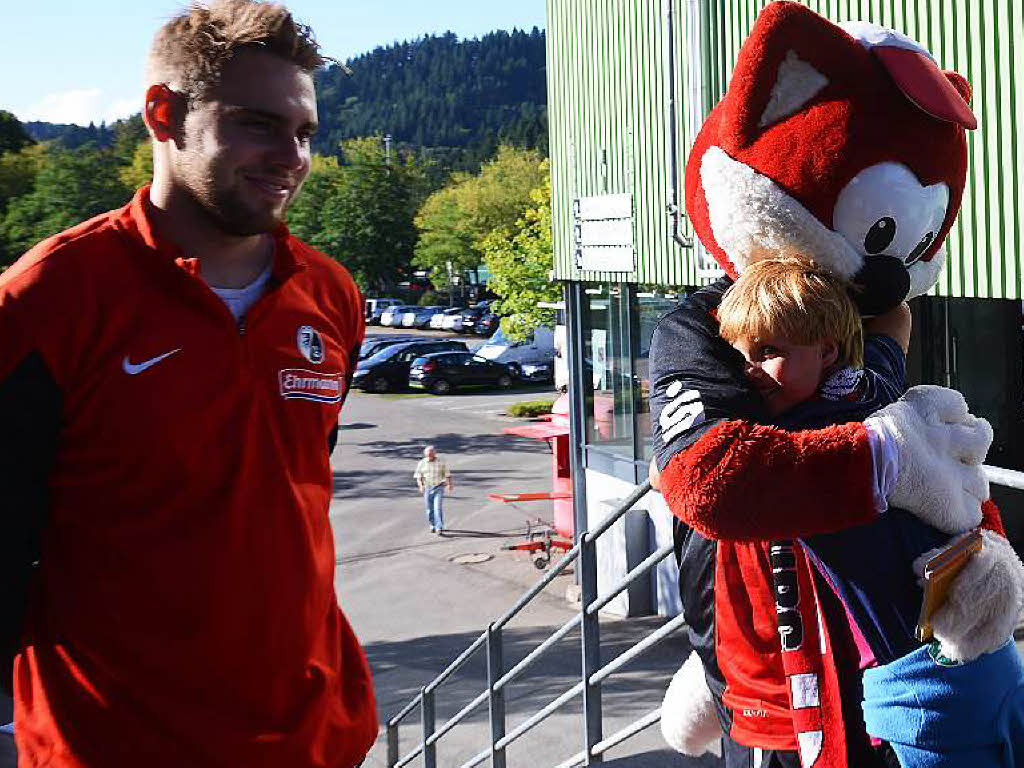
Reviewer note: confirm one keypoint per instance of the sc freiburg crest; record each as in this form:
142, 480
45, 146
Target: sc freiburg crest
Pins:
311, 345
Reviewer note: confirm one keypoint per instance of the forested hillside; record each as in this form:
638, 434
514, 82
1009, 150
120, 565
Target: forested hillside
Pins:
460, 98
441, 92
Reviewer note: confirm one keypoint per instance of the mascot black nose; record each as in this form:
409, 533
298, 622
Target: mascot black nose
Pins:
881, 284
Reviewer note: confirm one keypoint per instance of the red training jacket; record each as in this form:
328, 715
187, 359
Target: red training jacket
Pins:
183, 611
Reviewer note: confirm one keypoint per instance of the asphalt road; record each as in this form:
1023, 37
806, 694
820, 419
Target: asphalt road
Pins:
415, 608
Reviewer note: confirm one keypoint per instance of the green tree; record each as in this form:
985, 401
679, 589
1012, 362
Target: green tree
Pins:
12, 134
137, 169
446, 247
455, 221
18, 172
70, 186
520, 259
128, 133
361, 213
304, 215
501, 194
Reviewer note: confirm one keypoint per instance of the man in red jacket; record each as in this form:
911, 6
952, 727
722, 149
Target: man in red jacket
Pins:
170, 380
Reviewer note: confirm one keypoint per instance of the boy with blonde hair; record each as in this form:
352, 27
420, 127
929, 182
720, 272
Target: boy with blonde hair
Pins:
806, 354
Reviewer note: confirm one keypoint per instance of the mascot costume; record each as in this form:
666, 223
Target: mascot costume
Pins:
845, 143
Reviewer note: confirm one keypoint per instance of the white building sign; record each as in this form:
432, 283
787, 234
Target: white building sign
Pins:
603, 233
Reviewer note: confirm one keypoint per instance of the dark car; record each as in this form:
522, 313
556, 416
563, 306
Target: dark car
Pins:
389, 369
472, 315
442, 372
375, 344
487, 324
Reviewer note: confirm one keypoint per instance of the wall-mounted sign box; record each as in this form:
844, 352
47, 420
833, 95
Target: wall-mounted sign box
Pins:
603, 233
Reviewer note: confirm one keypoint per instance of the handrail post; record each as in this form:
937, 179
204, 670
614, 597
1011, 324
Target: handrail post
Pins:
392, 744
429, 750
590, 640
495, 698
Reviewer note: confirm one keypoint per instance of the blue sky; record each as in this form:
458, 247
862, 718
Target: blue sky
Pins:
81, 60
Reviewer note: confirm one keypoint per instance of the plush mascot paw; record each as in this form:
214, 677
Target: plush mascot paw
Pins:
689, 720
941, 448
985, 601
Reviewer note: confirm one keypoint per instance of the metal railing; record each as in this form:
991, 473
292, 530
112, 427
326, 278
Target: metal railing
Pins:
589, 685
592, 673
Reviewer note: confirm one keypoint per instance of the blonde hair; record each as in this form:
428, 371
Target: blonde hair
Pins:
797, 300
189, 52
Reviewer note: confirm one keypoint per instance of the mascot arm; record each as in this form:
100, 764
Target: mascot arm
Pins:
750, 482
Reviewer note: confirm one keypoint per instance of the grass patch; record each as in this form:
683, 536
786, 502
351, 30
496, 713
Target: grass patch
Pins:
529, 408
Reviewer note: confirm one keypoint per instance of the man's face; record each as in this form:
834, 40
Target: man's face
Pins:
246, 146
430, 454
784, 373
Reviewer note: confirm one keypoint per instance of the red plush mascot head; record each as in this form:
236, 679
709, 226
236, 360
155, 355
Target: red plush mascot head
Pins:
842, 143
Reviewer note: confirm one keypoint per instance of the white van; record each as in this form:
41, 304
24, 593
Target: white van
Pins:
531, 360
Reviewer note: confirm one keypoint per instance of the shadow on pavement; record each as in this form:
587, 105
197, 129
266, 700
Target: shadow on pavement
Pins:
452, 443
662, 758
400, 669
364, 484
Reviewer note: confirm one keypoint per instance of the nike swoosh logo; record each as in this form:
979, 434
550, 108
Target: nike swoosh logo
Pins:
133, 369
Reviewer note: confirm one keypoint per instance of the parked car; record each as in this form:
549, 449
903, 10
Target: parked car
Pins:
375, 344
374, 308
439, 318
532, 359
453, 322
444, 371
471, 315
487, 324
389, 369
392, 316
419, 317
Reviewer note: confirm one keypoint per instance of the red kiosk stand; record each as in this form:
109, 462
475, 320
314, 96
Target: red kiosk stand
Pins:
542, 537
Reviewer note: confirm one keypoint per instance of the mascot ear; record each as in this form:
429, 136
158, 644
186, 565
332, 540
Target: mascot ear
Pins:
940, 94
782, 66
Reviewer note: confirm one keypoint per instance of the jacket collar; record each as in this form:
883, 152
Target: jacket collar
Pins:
136, 221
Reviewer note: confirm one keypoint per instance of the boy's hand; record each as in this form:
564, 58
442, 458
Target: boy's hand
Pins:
941, 447
896, 324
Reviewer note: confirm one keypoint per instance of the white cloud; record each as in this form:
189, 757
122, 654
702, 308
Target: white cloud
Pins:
80, 106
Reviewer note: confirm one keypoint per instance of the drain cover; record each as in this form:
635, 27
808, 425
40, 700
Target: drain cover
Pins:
470, 558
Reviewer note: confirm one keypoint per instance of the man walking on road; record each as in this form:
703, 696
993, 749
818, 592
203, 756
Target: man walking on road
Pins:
170, 380
433, 478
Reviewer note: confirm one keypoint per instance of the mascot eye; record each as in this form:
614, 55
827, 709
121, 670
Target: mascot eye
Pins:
881, 235
885, 211
920, 248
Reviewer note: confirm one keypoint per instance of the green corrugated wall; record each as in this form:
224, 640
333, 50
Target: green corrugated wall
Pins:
607, 96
